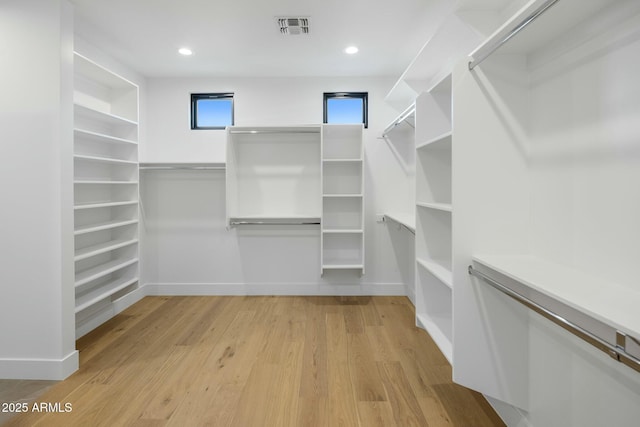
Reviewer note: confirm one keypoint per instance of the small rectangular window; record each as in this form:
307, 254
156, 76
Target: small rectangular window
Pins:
346, 107
211, 110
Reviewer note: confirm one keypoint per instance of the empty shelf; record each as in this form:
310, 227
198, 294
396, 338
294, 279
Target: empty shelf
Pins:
101, 248
438, 269
446, 207
100, 137
102, 292
104, 204
86, 276
104, 226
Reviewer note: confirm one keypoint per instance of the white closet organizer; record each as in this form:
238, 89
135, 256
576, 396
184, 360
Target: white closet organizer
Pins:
433, 215
400, 136
297, 175
546, 154
273, 175
342, 243
105, 190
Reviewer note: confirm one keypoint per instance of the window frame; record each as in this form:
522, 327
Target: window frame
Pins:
364, 96
195, 97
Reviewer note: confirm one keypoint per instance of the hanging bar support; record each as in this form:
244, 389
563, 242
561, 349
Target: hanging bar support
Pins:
616, 352
485, 52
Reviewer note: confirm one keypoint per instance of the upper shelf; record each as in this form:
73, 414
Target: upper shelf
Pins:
542, 23
599, 298
92, 71
453, 40
404, 219
100, 137
101, 116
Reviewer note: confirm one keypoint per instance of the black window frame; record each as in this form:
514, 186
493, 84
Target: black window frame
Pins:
346, 95
195, 97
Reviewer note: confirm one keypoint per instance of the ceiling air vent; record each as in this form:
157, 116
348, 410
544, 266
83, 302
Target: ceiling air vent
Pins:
291, 26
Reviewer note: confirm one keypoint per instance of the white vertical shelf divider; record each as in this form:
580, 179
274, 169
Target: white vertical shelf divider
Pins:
342, 176
433, 215
105, 191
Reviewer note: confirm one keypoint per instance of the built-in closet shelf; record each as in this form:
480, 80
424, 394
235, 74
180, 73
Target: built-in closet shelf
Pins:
342, 266
445, 207
440, 268
106, 186
89, 70
104, 226
85, 276
102, 248
343, 231
88, 182
407, 220
104, 204
342, 161
343, 195
101, 138
105, 160
102, 116
602, 299
433, 326
102, 292
437, 141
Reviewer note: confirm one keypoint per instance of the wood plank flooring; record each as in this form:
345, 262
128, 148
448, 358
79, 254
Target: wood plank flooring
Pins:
262, 361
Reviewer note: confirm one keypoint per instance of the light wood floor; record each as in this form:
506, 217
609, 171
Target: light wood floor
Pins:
262, 361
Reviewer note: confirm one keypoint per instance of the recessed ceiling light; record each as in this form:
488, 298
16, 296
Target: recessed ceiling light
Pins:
185, 51
351, 50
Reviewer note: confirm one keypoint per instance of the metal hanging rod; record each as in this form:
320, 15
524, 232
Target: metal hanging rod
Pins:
616, 352
409, 229
485, 52
178, 166
272, 131
274, 223
403, 117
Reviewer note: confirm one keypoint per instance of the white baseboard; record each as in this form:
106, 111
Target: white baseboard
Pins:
512, 416
239, 289
39, 369
129, 299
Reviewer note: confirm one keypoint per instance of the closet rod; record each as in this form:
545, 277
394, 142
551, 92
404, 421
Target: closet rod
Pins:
409, 229
485, 51
616, 352
274, 223
250, 132
196, 168
404, 116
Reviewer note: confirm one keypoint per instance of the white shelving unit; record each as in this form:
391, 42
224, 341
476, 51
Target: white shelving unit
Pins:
545, 152
434, 282
105, 190
273, 174
342, 240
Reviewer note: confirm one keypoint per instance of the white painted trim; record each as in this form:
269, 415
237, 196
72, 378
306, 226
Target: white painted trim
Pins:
129, 299
410, 292
512, 416
185, 289
39, 369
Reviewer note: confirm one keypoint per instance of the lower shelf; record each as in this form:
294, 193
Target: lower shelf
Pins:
439, 328
439, 268
94, 273
86, 300
342, 266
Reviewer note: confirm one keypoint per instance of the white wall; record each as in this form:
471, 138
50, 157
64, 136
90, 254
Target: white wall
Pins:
185, 239
36, 221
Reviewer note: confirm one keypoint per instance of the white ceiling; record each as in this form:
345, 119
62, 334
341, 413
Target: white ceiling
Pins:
241, 38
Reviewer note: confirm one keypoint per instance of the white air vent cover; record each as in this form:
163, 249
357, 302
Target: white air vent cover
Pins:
293, 26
